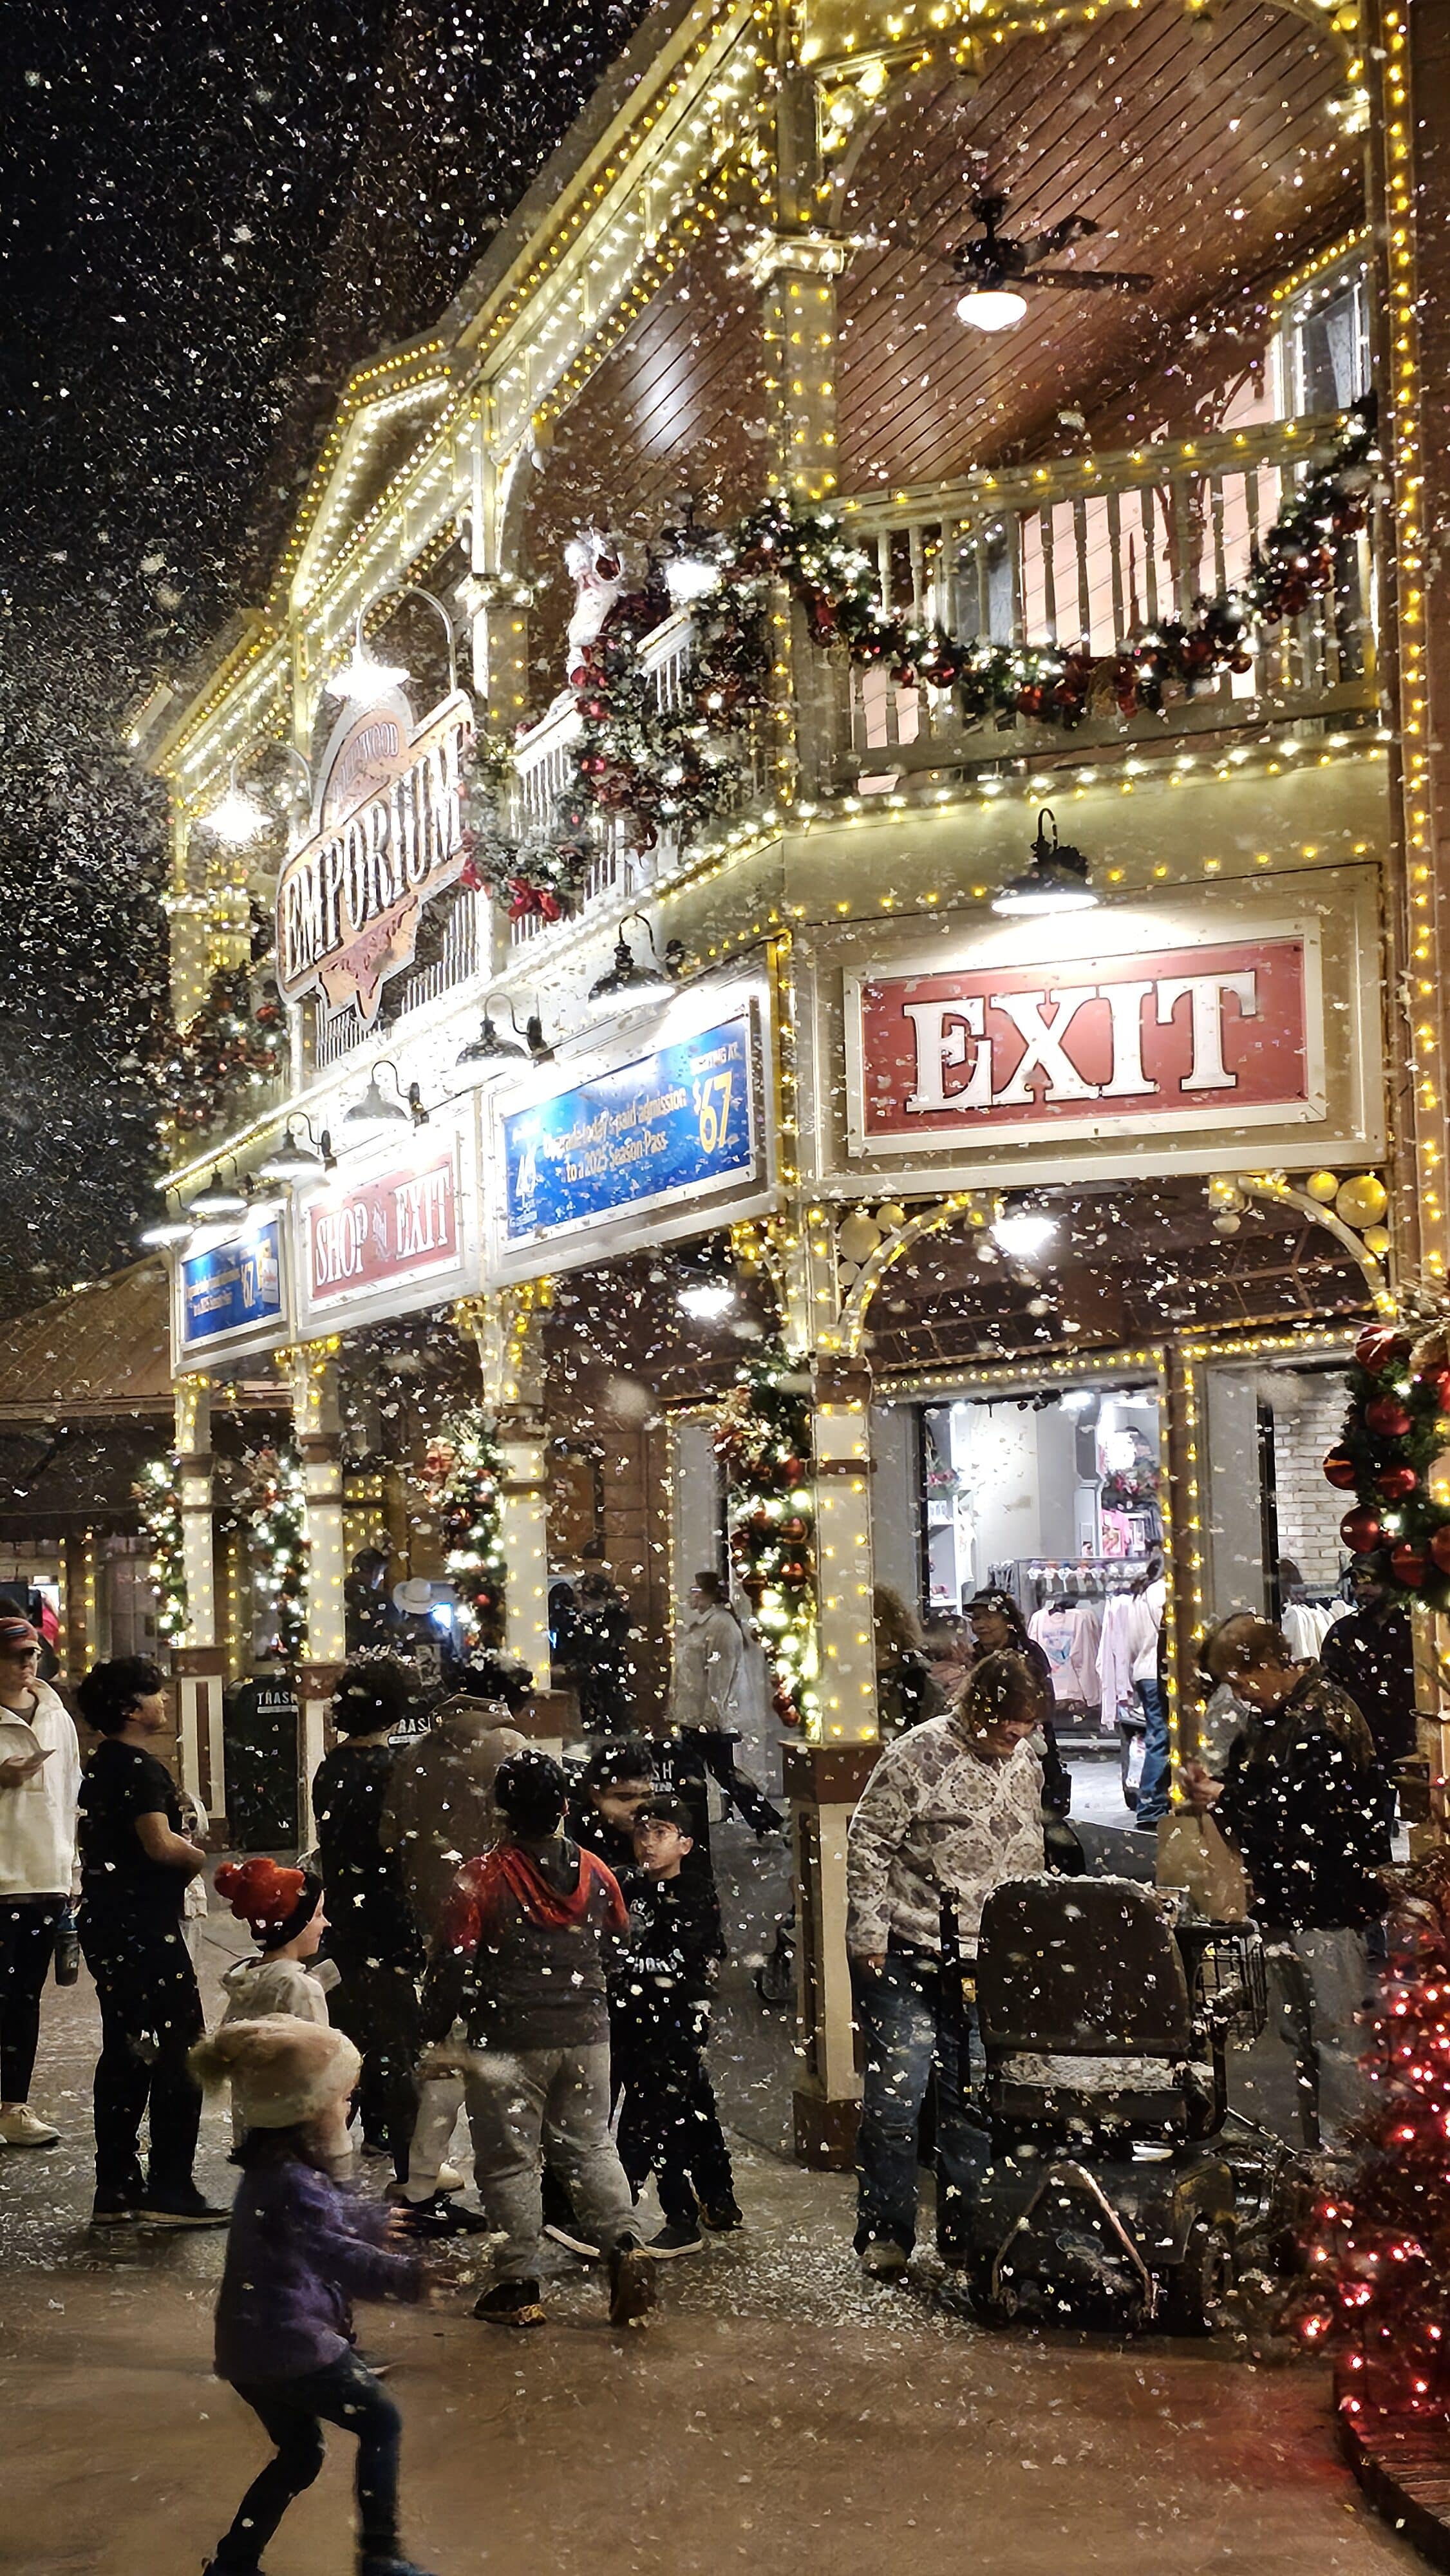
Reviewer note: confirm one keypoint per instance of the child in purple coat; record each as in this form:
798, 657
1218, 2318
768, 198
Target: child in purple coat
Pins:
300, 2250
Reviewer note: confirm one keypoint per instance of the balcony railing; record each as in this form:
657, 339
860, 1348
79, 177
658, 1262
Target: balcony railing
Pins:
1096, 551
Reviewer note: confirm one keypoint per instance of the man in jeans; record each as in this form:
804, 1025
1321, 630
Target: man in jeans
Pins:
951, 1810
521, 1958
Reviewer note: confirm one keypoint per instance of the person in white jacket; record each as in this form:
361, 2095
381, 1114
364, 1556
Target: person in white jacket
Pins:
711, 1680
40, 1774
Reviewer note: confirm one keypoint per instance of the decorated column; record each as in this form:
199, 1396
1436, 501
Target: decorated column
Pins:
507, 1328
199, 1660
318, 1433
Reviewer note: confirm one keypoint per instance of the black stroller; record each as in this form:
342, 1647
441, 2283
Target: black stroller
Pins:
1119, 2182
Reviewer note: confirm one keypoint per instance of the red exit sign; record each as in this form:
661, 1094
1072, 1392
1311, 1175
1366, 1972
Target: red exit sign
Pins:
1228, 1033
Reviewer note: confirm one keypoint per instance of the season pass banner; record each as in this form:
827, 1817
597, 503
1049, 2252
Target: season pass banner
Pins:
675, 1121
1170, 1036
232, 1285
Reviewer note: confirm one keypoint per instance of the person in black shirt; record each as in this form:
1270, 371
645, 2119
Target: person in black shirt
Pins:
659, 2014
135, 1863
1369, 1655
611, 1789
373, 1934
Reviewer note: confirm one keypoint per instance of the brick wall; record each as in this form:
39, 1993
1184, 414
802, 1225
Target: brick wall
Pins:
1308, 1413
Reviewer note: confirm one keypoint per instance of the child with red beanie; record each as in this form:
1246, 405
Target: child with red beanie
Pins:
283, 1908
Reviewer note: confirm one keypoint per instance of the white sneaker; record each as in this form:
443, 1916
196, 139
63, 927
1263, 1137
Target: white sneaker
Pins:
22, 2127
449, 2179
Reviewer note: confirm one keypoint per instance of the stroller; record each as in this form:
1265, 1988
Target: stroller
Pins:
1119, 2181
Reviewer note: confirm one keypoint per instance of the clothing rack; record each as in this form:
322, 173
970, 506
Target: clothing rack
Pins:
1033, 1580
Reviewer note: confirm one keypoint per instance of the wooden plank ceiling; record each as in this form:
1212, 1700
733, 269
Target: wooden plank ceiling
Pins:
1207, 157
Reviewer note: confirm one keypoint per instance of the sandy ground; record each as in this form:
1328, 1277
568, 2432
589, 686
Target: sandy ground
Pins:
776, 2412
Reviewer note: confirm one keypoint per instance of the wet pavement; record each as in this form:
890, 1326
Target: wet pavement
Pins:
777, 2414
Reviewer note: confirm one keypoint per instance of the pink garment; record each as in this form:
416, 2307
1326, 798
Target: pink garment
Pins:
1069, 1640
1115, 1661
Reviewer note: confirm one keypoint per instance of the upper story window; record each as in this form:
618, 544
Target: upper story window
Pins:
1322, 350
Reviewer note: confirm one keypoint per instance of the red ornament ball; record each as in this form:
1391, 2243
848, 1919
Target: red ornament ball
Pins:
1361, 1531
1436, 1379
1440, 1547
1377, 1347
1407, 1564
1395, 1484
1387, 1418
1341, 1471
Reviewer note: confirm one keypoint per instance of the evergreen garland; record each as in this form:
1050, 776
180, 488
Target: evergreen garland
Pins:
159, 1496
673, 766
237, 1040
276, 1510
1397, 1423
764, 1442
463, 1475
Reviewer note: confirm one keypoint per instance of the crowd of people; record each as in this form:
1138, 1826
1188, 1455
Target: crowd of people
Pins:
486, 1934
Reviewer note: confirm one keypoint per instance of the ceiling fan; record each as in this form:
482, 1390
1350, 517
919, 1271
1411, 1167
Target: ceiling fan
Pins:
991, 270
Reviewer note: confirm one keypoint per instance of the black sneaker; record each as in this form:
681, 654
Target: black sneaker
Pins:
631, 2283
440, 2216
115, 2208
181, 2207
389, 2567
720, 2216
511, 2303
674, 2239
571, 2238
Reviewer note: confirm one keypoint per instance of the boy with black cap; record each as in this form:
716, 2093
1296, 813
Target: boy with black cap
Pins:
659, 2021
521, 1958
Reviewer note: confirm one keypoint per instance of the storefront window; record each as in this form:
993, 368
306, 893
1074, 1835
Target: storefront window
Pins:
1025, 1489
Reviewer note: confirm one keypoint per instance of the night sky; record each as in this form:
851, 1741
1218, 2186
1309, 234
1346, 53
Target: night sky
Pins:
208, 216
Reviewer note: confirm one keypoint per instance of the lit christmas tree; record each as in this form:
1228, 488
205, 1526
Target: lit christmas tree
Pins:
1380, 2257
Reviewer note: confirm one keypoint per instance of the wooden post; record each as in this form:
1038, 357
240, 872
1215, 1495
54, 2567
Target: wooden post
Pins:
318, 1433
823, 1783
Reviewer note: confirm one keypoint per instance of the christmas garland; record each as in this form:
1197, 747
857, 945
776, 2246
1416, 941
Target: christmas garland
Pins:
1396, 1426
764, 1442
159, 1496
276, 1508
463, 1477
1378, 2289
671, 767
236, 1037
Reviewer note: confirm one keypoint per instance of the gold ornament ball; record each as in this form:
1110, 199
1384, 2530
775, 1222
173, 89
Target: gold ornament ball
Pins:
858, 1238
1228, 1223
1362, 1201
890, 1215
1377, 1240
1322, 1186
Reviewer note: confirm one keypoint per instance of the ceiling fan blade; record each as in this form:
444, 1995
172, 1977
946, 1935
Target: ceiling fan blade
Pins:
1046, 245
1097, 281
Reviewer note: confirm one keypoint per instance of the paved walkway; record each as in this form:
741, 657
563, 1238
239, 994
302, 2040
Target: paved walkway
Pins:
776, 2415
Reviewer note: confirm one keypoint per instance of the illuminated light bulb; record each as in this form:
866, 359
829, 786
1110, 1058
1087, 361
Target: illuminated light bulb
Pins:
992, 308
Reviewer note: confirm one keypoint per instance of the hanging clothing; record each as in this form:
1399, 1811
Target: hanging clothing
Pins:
1115, 1661
1145, 1627
1068, 1636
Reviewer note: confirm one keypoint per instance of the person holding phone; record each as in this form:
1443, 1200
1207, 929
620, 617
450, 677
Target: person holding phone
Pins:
40, 1769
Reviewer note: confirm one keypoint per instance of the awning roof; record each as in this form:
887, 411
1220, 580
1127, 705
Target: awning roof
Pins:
98, 1351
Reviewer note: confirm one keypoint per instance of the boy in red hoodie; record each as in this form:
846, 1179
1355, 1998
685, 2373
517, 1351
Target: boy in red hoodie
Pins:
521, 1957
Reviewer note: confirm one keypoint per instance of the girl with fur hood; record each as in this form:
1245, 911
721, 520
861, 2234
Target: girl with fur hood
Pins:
299, 2252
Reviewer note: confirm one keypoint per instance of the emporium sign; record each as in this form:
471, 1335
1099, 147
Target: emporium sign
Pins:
387, 837
1228, 1033
384, 1232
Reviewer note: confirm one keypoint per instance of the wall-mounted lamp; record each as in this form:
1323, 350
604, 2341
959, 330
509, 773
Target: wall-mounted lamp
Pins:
623, 981
1057, 880
374, 1114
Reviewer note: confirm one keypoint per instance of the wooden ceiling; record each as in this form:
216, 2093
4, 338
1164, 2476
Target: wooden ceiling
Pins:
1207, 155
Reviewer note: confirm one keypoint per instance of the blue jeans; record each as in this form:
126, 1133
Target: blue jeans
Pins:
905, 2032
1153, 1786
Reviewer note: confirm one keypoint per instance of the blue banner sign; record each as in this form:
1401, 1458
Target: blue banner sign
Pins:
674, 1122
232, 1285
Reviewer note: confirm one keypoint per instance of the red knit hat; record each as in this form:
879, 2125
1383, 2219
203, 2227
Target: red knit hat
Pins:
16, 1633
276, 1902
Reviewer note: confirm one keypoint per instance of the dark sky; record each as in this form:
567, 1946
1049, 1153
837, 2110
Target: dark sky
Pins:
208, 215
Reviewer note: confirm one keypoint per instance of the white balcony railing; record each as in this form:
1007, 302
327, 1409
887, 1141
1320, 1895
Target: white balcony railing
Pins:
1096, 551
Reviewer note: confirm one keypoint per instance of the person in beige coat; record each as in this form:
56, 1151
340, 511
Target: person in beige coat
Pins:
40, 1778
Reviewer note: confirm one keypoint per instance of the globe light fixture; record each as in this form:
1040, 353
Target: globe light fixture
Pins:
237, 817
1057, 880
992, 308
706, 1299
1024, 1235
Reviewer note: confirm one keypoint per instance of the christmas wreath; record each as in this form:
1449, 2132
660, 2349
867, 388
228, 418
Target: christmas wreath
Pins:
1397, 1423
463, 1478
763, 1440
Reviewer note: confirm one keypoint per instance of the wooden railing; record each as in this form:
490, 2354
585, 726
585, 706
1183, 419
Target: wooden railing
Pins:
1095, 551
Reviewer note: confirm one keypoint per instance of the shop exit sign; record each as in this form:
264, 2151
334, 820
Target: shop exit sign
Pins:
1227, 1033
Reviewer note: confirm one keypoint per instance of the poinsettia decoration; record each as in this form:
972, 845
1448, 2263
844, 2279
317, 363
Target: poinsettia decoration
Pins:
1396, 1426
